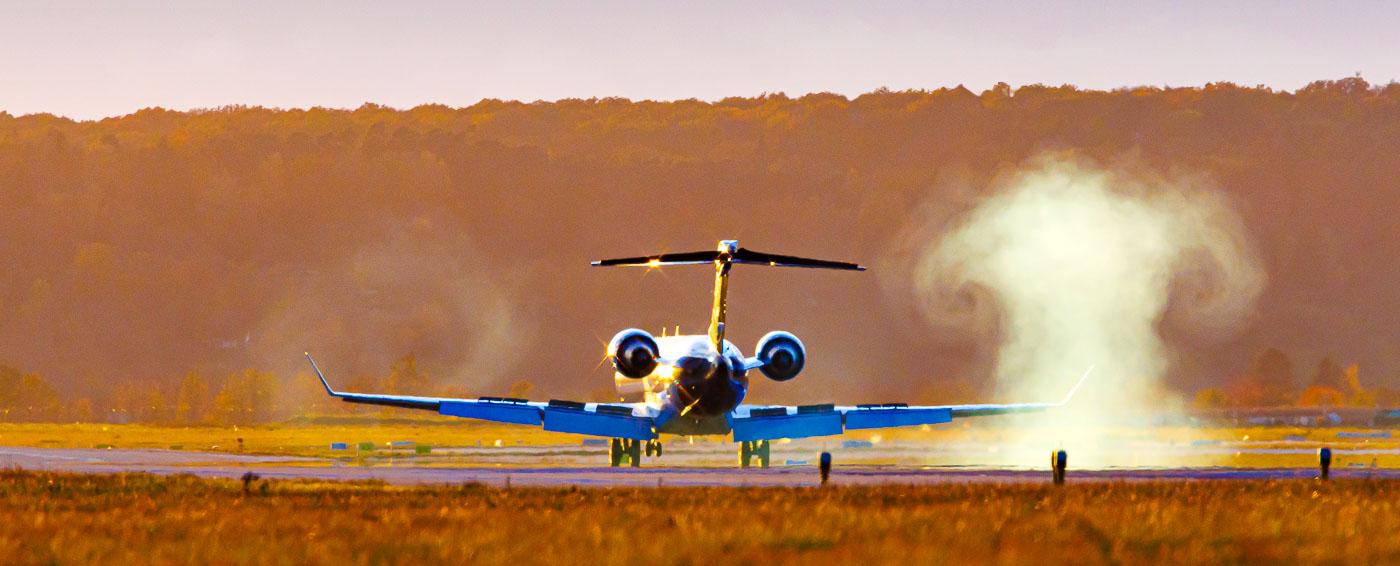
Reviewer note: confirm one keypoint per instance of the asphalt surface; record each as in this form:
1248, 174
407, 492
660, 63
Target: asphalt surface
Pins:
224, 465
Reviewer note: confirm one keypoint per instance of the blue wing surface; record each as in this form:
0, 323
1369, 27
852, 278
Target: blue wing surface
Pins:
611, 420
755, 422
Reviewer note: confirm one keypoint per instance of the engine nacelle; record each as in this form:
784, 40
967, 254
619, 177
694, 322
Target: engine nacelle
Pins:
634, 353
783, 355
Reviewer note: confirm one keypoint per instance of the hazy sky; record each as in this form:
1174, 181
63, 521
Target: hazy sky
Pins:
91, 60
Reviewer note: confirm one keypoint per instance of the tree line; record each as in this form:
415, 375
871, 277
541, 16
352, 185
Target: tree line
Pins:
251, 396
142, 248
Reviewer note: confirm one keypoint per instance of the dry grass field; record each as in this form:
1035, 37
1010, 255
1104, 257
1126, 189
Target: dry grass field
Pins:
53, 518
311, 437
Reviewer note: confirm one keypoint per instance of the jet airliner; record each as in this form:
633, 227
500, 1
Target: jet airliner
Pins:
695, 384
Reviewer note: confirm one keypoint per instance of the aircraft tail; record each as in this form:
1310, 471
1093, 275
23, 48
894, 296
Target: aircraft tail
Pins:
727, 254
731, 254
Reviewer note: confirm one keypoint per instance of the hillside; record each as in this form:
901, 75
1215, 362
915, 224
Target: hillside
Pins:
141, 248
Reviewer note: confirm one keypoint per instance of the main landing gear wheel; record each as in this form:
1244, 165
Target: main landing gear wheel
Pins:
653, 448
625, 449
754, 449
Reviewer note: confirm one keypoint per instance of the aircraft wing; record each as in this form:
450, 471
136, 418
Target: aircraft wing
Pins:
610, 420
753, 422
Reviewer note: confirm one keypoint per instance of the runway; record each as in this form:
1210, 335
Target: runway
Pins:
407, 473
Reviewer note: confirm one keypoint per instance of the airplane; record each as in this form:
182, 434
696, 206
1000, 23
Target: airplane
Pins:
695, 384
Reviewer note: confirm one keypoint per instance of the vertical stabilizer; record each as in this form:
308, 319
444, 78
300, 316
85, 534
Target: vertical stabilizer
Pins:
727, 248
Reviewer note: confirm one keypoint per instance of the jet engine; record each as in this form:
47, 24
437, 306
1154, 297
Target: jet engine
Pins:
634, 353
782, 354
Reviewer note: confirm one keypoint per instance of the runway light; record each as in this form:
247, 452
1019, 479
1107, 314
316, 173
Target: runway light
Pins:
1059, 460
825, 467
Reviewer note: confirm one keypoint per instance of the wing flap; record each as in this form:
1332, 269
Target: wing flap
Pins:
893, 417
786, 426
592, 423
515, 413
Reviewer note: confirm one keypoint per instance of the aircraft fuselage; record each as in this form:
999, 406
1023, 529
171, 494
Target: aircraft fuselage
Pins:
701, 387
693, 384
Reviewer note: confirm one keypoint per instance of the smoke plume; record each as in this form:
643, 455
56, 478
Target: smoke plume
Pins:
1068, 266
423, 289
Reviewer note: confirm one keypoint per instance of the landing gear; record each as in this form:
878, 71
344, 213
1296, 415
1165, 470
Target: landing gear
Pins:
653, 448
621, 449
754, 449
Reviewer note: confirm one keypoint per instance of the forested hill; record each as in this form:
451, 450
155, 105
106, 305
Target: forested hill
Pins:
140, 248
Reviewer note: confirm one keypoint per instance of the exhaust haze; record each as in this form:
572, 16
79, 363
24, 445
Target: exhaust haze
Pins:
1069, 266
421, 290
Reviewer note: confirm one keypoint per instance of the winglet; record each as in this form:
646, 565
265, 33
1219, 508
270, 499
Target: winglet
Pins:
1071, 391
323, 377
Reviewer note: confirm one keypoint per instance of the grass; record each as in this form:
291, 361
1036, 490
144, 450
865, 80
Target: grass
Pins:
308, 437
138, 518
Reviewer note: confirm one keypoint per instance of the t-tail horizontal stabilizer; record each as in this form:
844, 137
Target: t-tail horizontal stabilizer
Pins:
686, 258
726, 255
731, 255
745, 255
